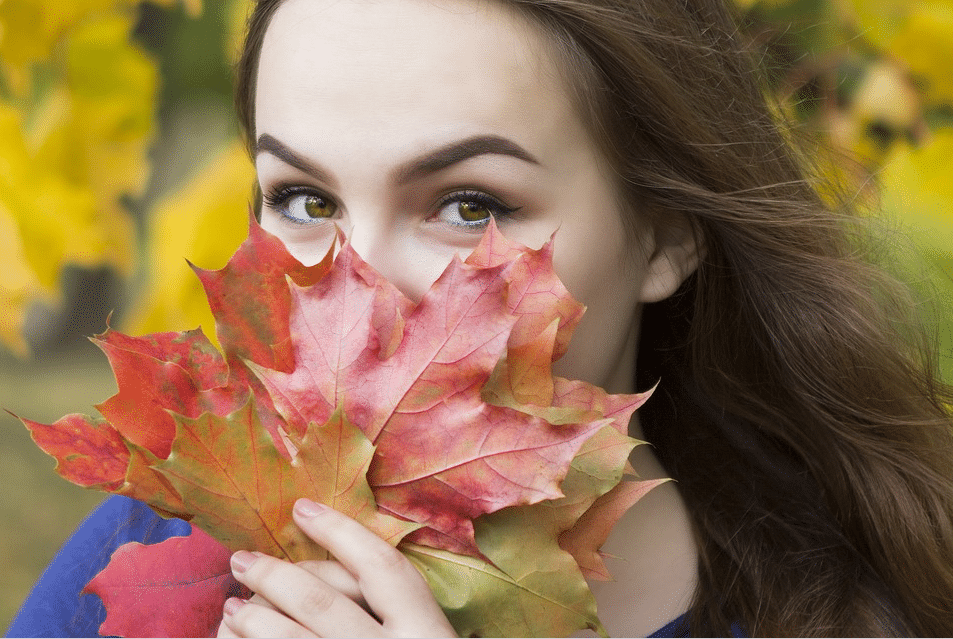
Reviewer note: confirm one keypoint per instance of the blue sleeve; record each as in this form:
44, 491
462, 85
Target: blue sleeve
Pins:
55, 607
675, 628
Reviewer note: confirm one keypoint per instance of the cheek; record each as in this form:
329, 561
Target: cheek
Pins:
606, 275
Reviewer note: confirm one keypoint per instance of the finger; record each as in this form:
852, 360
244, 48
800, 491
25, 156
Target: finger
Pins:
337, 576
297, 593
224, 632
391, 585
246, 619
261, 601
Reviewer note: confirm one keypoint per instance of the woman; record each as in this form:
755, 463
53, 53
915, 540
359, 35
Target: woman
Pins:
805, 428
809, 442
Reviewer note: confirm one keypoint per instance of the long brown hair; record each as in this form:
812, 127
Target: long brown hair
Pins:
799, 407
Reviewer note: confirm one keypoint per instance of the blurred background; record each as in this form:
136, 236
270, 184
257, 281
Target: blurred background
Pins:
119, 160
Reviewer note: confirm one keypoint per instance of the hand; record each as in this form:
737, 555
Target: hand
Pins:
372, 590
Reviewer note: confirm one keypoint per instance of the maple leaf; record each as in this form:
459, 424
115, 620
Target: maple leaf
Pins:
531, 582
238, 484
438, 425
255, 326
193, 587
445, 456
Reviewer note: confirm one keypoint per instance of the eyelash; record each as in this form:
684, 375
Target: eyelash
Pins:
277, 197
497, 209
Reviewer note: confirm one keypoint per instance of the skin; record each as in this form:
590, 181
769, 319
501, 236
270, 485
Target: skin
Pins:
394, 120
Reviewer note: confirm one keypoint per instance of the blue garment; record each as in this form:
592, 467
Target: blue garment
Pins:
675, 628
55, 607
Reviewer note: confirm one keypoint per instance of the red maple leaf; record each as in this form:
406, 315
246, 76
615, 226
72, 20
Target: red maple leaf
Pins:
433, 417
192, 589
444, 455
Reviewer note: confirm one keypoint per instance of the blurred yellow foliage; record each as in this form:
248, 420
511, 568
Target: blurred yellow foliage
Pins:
236, 14
31, 30
917, 184
885, 106
925, 44
17, 283
77, 110
916, 188
205, 221
874, 78
917, 32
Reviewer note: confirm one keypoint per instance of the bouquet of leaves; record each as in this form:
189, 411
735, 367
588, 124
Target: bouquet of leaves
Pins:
438, 425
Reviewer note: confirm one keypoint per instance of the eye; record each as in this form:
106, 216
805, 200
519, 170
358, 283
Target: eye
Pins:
301, 205
471, 209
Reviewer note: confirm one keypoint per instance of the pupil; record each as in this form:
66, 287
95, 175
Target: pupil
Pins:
473, 211
316, 206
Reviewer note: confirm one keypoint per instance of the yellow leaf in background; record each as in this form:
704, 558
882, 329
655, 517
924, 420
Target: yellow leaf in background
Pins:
92, 134
877, 20
917, 32
885, 108
25, 35
85, 149
70, 155
917, 189
114, 88
917, 186
58, 226
30, 30
18, 284
925, 44
236, 15
56, 220
204, 221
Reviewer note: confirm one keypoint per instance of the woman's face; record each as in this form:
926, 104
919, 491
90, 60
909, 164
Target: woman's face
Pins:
410, 122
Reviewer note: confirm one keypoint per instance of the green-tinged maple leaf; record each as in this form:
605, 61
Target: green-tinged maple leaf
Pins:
237, 483
592, 528
482, 600
437, 424
539, 555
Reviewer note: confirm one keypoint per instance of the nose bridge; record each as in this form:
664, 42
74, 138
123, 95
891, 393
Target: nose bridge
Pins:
391, 248
368, 235
374, 238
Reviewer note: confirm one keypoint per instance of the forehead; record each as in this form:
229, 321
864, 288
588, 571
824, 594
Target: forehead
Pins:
372, 64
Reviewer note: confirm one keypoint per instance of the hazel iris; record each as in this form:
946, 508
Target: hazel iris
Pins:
317, 207
473, 211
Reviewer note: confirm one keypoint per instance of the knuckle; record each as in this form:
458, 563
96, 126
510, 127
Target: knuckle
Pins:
262, 569
255, 621
318, 600
387, 558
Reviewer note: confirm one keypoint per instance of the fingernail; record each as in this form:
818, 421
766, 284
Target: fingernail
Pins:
307, 508
242, 560
233, 605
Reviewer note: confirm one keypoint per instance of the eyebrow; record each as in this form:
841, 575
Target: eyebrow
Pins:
431, 162
268, 144
459, 151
